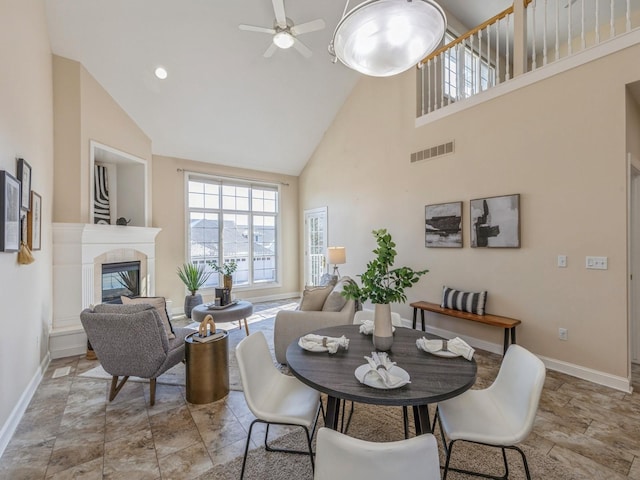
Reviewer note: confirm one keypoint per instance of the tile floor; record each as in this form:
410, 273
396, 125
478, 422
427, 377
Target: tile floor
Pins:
71, 431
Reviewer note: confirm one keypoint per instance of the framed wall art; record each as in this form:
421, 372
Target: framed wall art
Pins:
443, 225
495, 221
9, 212
34, 222
24, 175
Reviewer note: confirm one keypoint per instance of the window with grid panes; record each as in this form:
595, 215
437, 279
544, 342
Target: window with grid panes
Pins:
233, 220
465, 73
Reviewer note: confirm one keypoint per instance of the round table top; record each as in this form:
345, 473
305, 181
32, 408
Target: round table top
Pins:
433, 378
240, 310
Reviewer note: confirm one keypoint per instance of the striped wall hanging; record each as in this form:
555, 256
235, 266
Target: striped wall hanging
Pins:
101, 213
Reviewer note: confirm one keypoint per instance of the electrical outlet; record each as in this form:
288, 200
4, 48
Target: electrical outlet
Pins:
563, 334
562, 261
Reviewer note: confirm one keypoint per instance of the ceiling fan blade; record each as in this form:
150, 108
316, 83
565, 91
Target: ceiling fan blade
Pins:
270, 51
308, 27
278, 8
253, 28
302, 48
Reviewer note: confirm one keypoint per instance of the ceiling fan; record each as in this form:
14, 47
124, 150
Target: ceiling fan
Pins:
285, 32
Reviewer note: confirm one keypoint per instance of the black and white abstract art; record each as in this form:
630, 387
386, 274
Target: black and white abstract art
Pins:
443, 225
101, 210
495, 222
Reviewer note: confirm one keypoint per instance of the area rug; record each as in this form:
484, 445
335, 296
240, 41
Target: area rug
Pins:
382, 424
177, 374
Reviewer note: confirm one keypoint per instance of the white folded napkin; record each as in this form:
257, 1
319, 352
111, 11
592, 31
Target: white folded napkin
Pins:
456, 345
366, 327
319, 343
381, 366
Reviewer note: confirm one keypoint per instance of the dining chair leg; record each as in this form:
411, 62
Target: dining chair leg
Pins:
405, 421
448, 452
246, 449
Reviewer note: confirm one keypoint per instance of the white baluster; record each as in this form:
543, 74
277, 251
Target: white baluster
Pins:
435, 84
429, 85
597, 22
612, 26
498, 23
569, 32
422, 67
582, 28
506, 75
479, 60
489, 84
628, 15
544, 35
557, 31
441, 79
533, 35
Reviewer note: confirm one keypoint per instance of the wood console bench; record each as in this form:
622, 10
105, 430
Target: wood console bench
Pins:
509, 324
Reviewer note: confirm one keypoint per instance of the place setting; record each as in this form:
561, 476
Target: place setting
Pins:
380, 372
455, 347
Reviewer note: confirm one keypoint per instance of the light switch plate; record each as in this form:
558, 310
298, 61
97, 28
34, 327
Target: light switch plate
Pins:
597, 263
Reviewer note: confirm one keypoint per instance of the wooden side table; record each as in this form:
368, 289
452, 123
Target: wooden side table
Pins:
207, 368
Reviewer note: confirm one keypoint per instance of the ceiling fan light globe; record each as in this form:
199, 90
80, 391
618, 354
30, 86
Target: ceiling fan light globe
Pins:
283, 40
381, 38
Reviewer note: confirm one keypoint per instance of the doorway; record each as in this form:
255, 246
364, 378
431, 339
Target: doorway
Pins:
315, 245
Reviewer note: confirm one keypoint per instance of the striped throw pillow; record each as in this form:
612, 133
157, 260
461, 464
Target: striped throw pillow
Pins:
465, 301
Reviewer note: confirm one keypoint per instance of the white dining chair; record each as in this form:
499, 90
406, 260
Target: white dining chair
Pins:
272, 397
340, 457
501, 415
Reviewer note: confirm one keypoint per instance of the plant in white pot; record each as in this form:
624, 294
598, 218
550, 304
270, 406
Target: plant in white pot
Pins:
194, 277
383, 285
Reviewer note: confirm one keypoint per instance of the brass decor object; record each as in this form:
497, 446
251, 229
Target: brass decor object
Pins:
203, 329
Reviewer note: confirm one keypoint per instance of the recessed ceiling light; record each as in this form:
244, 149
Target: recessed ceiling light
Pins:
161, 73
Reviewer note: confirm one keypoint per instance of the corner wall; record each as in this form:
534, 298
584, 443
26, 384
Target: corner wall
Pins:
26, 130
560, 143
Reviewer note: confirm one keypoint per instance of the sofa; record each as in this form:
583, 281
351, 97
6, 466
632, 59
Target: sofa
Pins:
320, 307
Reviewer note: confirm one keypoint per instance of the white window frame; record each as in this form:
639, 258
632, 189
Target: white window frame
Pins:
215, 279
463, 89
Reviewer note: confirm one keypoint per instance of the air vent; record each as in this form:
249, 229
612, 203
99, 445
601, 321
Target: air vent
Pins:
433, 152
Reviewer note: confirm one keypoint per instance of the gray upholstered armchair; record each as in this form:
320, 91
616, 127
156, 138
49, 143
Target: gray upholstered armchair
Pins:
130, 340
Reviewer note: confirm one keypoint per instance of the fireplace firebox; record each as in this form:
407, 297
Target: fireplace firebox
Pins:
122, 278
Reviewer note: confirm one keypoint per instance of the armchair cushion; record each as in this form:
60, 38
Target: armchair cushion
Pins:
336, 301
313, 298
160, 304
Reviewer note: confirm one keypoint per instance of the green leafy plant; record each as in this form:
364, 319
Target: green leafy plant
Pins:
128, 280
380, 282
227, 268
193, 276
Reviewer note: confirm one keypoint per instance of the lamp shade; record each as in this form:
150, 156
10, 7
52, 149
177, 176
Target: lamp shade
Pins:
381, 38
337, 255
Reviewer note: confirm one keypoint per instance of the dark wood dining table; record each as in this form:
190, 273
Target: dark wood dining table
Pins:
433, 378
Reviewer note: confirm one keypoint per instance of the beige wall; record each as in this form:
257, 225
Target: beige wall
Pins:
26, 130
169, 214
84, 111
559, 143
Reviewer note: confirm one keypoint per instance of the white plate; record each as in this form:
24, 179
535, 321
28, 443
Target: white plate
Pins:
312, 348
375, 381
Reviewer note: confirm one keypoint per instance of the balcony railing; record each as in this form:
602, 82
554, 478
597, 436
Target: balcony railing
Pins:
526, 36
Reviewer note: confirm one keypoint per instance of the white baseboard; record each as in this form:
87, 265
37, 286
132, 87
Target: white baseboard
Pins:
584, 373
16, 414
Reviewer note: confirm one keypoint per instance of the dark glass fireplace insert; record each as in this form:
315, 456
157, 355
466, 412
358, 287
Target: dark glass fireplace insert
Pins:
121, 278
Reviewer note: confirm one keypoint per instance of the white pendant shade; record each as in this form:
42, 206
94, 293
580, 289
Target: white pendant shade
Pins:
386, 37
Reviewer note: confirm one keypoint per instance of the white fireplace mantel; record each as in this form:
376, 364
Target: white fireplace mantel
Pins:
78, 252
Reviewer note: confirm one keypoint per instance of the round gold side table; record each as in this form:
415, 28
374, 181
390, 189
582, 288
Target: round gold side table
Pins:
207, 368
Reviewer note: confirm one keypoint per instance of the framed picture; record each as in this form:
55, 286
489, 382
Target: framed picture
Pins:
34, 222
9, 212
443, 225
495, 222
24, 175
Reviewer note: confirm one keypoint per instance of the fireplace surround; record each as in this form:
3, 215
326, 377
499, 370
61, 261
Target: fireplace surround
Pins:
79, 251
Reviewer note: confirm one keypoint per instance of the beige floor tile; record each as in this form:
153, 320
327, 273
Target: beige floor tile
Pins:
133, 456
87, 471
174, 430
186, 464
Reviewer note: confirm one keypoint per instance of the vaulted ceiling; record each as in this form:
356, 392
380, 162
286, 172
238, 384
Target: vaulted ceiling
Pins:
223, 101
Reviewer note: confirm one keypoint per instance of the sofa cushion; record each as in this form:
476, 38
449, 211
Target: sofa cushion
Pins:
335, 302
159, 304
465, 301
313, 298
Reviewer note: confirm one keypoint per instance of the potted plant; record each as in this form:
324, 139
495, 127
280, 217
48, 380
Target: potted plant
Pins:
194, 277
226, 269
383, 285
